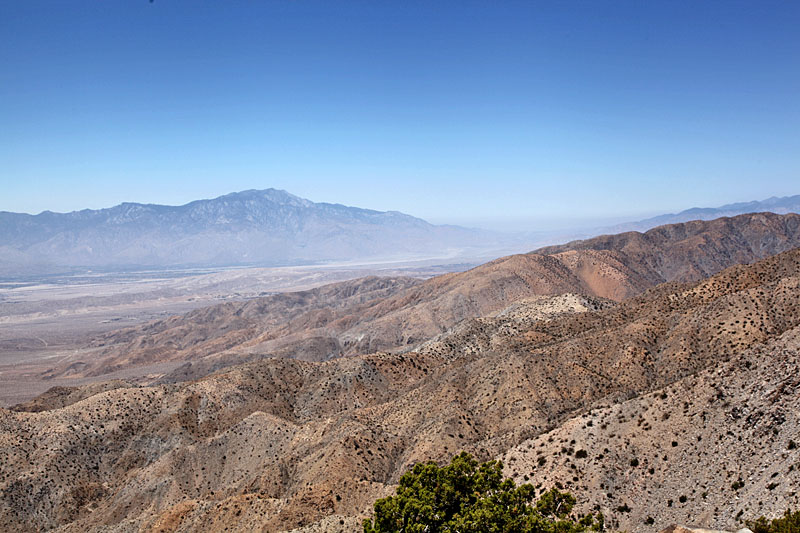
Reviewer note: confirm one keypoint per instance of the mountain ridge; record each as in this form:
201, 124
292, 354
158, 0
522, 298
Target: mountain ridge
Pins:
230, 230
248, 227
780, 205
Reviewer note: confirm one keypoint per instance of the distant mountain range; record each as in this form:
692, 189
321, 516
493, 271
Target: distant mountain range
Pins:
781, 206
268, 227
271, 227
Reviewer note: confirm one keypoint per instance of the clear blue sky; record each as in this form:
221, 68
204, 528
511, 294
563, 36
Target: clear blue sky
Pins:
453, 111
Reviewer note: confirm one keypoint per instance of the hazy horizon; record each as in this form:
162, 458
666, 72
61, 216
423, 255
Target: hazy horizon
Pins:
506, 224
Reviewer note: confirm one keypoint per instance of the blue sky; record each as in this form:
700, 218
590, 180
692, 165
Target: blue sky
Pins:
486, 112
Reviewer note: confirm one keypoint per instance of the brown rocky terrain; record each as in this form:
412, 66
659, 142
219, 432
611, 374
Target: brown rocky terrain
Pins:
696, 249
49, 320
707, 450
370, 315
282, 443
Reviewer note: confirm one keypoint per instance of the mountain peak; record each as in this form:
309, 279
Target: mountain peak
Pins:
273, 195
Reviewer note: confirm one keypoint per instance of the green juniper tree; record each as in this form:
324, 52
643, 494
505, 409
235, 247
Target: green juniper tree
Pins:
470, 497
789, 523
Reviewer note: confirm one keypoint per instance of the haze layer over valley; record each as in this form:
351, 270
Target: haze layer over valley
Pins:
50, 321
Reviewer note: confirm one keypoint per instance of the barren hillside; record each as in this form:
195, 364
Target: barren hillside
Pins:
281, 443
708, 450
